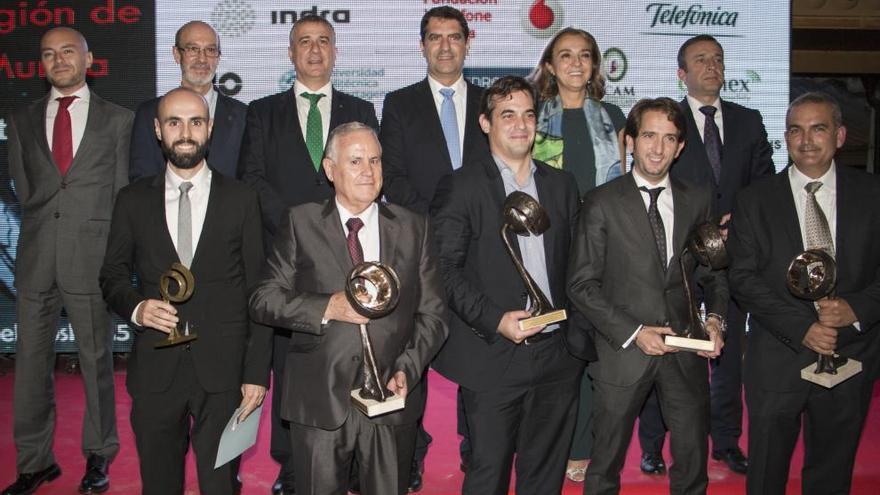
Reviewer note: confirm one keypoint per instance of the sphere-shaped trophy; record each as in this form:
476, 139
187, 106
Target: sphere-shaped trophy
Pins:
524, 216
812, 275
373, 291
706, 245
177, 285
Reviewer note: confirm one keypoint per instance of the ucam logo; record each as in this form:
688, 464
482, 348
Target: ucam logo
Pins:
541, 18
615, 64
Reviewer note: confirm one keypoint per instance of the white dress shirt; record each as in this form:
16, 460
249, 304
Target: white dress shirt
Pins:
211, 98
700, 118
79, 114
324, 106
198, 197
667, 214
459, 99
369, 233
826, 196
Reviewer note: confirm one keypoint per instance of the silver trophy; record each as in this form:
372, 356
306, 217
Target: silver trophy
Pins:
812, 275
524, 216
373, 290
707, 247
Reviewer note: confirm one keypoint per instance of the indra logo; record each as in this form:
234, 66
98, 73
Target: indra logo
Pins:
233, 17
542, 18
615, 64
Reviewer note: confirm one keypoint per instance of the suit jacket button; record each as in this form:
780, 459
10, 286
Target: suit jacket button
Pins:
355, 358
57, 215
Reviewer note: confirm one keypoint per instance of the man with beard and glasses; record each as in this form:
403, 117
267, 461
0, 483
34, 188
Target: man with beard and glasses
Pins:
197, 51
210, 224
68, 156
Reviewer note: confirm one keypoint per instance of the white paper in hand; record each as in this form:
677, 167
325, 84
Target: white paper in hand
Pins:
238, 437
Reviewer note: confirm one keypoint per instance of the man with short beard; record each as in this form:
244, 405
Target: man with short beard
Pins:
197, 50
210, 224
68, 156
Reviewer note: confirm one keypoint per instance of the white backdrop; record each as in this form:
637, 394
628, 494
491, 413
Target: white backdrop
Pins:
378, 43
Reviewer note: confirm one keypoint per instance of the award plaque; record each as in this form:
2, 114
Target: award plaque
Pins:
524, 216
373, 290
176, 285
707, 247
812, 275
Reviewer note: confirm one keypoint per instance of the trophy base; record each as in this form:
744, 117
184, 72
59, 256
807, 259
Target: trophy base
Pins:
372, 408
544, 319
688, 344
175, 340
827, 380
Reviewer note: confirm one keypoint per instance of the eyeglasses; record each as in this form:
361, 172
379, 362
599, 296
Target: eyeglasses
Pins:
193, 51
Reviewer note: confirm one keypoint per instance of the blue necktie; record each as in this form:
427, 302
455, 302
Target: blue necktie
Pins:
449, 122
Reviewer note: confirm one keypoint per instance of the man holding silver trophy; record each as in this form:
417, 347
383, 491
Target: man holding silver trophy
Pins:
809, 231
353, 280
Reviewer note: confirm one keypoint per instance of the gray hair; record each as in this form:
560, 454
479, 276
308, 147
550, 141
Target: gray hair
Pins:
343, 130
817, 97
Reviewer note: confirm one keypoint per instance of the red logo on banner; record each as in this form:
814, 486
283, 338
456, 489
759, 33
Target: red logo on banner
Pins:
542, 18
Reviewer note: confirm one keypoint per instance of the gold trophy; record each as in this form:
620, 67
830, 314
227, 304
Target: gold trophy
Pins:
707, 247
179, 278
524, 216
373, 291
812, 275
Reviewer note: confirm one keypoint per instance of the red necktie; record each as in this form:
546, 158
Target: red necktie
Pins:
62, 135
354, 225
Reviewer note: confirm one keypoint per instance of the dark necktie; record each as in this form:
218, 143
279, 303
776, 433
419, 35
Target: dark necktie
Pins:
62, 135
712, 141
314, 129
355, 250
818, 233
657, 223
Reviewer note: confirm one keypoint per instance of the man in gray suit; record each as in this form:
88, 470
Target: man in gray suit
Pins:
68, 157
302, 290
625, 277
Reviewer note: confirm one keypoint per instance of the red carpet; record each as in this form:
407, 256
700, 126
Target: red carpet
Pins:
441, 477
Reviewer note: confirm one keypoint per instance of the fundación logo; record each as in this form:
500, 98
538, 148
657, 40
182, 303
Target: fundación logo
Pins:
233, 17
541, 18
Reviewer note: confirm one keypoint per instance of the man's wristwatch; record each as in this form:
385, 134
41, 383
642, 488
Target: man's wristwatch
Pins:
721, 322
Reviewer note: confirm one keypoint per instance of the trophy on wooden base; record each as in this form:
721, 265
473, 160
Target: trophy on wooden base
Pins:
373, 290
524, 216
812, 275
707, 247
176, 286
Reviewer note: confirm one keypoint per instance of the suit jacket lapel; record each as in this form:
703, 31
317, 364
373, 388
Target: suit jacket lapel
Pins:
331, 229
290, 132
681, 213
426, 107
546, 198
212, 216
693, 135
846, 209
160, 225
93, 123
472, 131
497, 195
633, 208
220, 132
729, 139
388, 235
784, 205
38, 120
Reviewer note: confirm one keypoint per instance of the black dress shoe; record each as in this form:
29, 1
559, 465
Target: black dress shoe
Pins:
415, 476
95, 480
27, 483
652, 464
734, 458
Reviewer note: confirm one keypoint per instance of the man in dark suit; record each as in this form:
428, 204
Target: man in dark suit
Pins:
210, 224
302, 290
68, 157
625, 276
426, 135
281, 158
418, 145
773, 221
197, 51
518, 386
726, 152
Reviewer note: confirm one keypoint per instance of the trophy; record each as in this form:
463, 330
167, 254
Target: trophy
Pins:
812, 275
707, 247
524, 216
177, 277
373, 290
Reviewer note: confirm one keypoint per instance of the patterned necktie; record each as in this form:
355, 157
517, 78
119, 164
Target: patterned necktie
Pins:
62, 135
657, 223
184, 225
355, 250
817, 229
314, 129
712, 141
449, 122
